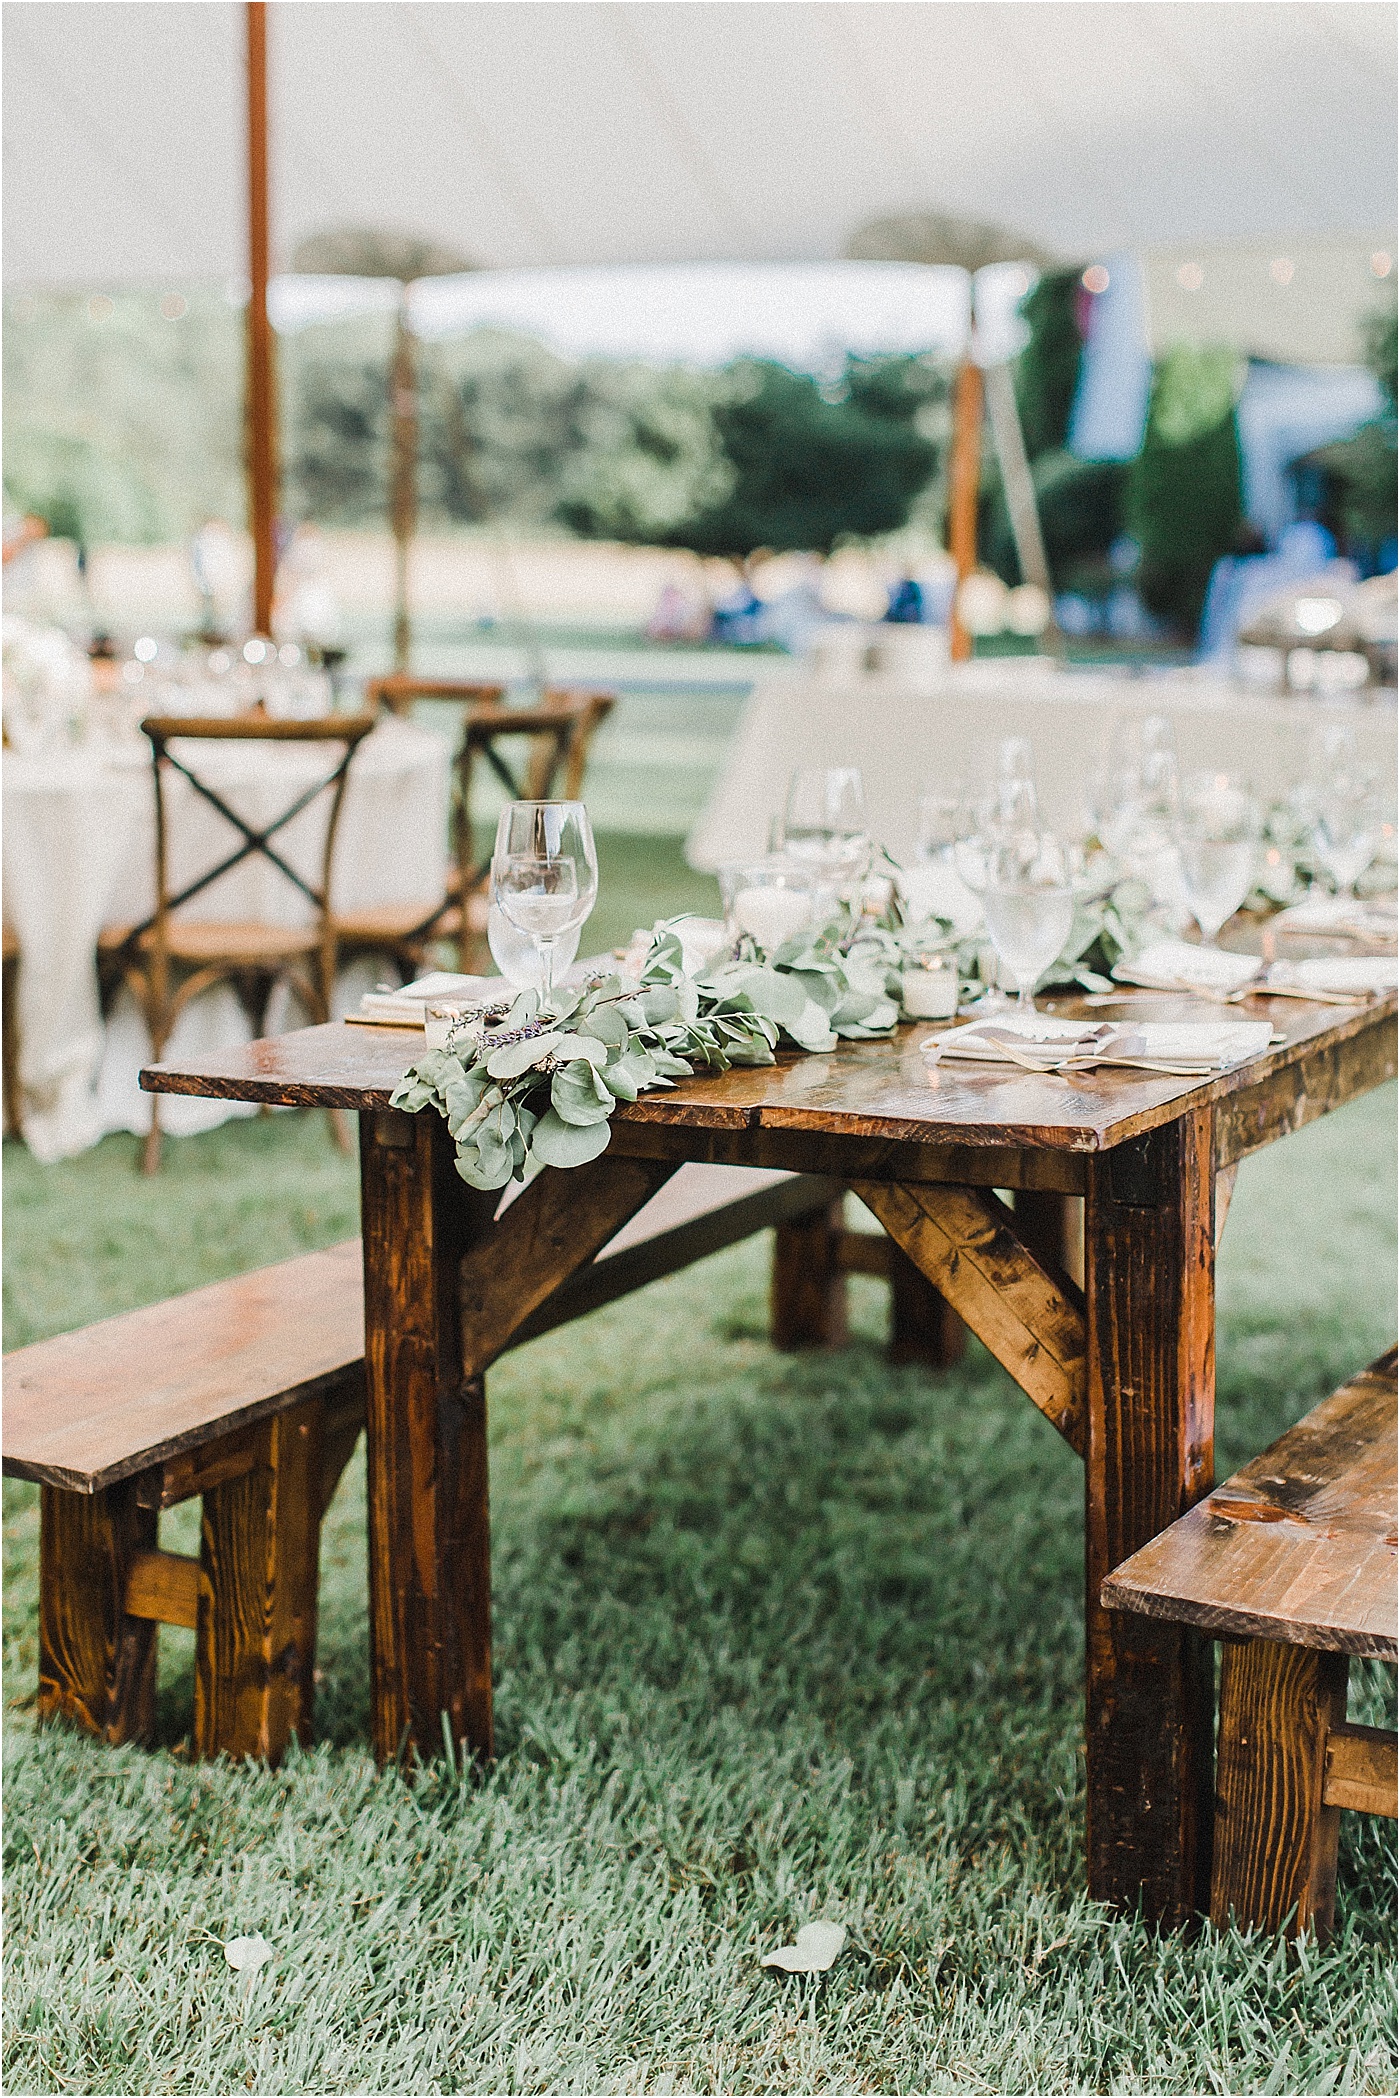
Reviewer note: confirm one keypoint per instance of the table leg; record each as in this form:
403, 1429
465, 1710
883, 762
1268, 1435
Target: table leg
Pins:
1150, 1311
429, 1530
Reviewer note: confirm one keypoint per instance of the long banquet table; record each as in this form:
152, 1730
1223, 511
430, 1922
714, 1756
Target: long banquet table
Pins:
1123, 1370
79, 854
909, 739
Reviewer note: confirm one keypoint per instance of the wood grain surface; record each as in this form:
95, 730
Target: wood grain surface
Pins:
97, 1664
1150, 1316
880, 1091
1300, 1546
963, 1241
1362, 1769
255, 1639
1275, 1838
89, 1408
429, 1525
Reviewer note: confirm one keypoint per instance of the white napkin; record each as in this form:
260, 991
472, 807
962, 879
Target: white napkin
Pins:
1350, 974
407, 1007
1342, 915
1177, 1049
1175, 965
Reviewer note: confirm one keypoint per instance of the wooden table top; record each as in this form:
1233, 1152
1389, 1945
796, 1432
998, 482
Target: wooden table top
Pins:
881, 1089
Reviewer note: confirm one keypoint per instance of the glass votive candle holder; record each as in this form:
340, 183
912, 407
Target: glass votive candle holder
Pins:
928, 986
772, 901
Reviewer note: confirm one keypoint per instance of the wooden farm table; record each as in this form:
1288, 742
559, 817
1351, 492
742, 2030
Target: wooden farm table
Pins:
1123, 1369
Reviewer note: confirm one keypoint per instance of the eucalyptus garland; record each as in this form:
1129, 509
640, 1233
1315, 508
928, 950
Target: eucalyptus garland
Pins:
533, 1082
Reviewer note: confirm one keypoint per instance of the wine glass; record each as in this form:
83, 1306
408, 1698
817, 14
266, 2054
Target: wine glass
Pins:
824, 823
1346, 829
1218, 830
544, 874
1029, 904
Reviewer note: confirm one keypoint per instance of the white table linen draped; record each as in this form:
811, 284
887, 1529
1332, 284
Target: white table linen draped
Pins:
910, 741
79, 854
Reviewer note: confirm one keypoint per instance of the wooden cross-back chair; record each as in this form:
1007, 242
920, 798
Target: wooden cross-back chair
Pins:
557, 730
169, 959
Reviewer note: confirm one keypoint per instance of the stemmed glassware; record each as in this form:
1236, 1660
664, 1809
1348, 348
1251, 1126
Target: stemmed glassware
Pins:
1218, 831
1028, 900
544, 874
824, 824
1346, 829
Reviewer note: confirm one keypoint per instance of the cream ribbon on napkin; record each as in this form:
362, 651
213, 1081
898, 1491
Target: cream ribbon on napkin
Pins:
1177, 1050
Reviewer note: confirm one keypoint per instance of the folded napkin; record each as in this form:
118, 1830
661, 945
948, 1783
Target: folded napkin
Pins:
1178, 1050
1344, 916
408, 1006
1175, 965
1345, 975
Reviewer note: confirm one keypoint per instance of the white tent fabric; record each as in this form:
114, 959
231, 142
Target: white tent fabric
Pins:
528, 132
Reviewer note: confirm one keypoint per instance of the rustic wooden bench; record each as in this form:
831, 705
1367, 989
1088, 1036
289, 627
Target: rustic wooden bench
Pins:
250, 1393
1292, 1565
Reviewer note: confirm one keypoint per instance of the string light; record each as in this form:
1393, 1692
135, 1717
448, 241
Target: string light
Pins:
100, 307
1095, 279
1381, 263
174, 307
1281, 270
1190, 276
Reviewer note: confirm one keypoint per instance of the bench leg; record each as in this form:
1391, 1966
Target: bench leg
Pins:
97, 1666
923, 1325
255, 1641
1275, 1841
808, 1290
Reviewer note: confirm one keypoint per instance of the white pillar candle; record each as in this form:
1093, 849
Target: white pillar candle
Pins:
929, 994
771, 915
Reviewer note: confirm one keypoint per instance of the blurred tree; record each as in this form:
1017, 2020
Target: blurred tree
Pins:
1185, 504
123, 414
1047, 370
1360, 483
799, 466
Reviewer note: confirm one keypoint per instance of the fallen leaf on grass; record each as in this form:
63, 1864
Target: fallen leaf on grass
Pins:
816, 1949
246, 1955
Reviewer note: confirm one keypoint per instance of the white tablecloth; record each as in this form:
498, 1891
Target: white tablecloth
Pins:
79, 854
908, 742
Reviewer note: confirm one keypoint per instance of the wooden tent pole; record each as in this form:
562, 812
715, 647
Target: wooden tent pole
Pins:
403, 390
262, 363
964, 475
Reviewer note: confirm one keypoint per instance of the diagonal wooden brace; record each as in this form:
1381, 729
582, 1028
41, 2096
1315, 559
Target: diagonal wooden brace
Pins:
558, 1223
963, 1240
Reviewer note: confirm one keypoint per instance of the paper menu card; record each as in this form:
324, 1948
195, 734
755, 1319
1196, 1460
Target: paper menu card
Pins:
1040, 1043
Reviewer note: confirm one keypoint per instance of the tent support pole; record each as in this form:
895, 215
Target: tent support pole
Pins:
261, 368
1009, 443
403, 393
964, 476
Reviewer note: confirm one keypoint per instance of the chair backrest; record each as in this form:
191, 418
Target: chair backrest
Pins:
400, 688
558, 732
342, 733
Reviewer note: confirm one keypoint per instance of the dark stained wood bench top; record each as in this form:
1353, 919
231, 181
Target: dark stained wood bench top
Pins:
1298, 1547
89, 1408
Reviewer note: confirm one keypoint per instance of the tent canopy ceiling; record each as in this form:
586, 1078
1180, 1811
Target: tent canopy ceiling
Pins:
529, 132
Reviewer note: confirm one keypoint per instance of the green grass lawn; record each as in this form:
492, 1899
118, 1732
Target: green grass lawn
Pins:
778, 1637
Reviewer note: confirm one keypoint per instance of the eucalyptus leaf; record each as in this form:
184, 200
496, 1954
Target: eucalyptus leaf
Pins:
516, 1057
560, 1143
568, 1048
579, 1095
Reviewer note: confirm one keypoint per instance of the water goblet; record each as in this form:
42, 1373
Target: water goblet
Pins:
824, 823
1028, 899
1346, 829
544, 875
1218, 831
